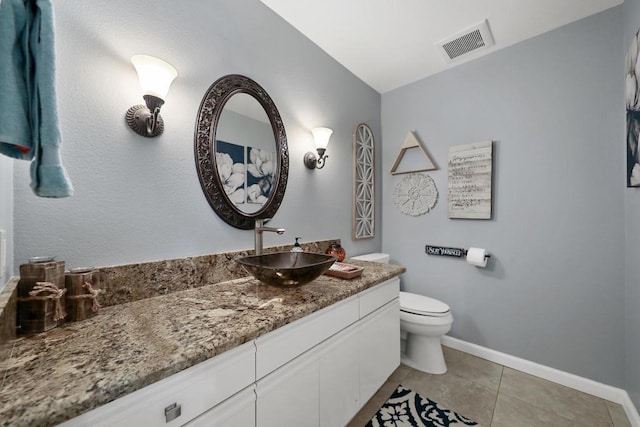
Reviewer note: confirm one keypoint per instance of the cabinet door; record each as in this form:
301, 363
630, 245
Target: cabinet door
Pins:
339, 379
379, 335
237, 411
289, 395
288, 342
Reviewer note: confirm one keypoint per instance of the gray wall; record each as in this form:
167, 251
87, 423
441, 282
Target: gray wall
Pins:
139, 199
6, 212
632, 210
555, 286
554, 289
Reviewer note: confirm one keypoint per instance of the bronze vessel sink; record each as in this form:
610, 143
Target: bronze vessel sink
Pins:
286, 269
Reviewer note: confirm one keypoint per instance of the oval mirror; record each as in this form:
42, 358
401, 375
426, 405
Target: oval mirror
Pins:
241, 151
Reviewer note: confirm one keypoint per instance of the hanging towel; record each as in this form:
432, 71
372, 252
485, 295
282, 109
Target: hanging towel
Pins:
15, 73
29, 126
48, 176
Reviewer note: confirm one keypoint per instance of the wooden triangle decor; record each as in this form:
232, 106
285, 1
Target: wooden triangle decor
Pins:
411, 143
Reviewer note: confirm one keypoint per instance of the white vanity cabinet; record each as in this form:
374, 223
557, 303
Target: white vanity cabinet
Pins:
378, 336
289, 396
318, 387
288, 364
288, 342
193, 391
340, 379
379, 348
308, 376
316, 371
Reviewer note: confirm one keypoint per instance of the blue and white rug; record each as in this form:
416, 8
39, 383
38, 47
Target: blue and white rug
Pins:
405, 408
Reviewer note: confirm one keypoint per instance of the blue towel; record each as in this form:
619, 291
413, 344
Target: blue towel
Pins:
15, 128
29, 126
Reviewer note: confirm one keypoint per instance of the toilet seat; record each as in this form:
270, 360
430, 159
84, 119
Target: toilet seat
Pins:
422, 306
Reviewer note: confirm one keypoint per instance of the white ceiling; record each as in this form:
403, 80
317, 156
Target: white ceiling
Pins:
390, 43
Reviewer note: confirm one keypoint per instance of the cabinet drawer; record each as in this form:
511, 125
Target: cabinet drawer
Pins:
286, 343
237, 411
379, 295
195, 390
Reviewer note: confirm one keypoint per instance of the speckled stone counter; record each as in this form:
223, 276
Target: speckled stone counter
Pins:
57, 375
131, 282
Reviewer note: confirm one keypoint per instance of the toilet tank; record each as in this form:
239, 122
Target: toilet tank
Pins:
374, 257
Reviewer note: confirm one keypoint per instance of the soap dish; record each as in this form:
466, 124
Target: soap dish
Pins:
344, 271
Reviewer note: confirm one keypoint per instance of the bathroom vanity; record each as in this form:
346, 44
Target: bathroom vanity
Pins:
232, 353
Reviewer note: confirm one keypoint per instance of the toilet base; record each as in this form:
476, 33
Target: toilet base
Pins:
424, 354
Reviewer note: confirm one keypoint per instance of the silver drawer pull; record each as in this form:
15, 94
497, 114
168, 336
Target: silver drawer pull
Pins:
172, 412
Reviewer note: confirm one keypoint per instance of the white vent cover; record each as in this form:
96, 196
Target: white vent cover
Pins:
473, 39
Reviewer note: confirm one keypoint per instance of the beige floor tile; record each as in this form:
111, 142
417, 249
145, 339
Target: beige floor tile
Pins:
470, 388
381, 396
511, 412
618, 416
551, 397
371, 407
399, 374
473, 368
456, 393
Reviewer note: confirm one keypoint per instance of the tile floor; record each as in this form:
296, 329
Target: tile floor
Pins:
497, 396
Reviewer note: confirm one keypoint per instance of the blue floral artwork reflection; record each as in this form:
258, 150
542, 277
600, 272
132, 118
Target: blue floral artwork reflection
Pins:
231, 168
261, 167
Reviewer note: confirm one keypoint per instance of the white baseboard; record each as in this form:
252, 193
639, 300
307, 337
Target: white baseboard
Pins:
585, 385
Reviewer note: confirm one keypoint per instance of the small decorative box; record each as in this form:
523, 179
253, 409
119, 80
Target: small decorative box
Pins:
42, 310
36, 315
41, 302
81, 300
40, 269
344, 271
81, 307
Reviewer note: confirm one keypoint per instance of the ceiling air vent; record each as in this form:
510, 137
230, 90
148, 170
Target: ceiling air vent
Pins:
473, 39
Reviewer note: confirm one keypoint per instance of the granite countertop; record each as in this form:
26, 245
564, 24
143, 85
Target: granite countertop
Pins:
54, 376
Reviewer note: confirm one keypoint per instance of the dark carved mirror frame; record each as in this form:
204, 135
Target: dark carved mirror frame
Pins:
204, 146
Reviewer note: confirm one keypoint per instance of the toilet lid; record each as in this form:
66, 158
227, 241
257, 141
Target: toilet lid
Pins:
419, 304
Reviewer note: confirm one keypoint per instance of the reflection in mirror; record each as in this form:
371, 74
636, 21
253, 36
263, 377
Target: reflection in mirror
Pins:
245, 153
241, 151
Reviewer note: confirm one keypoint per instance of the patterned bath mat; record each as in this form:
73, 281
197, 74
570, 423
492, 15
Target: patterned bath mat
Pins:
405, 408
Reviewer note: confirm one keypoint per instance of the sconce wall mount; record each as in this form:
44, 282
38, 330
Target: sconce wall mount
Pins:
155, 78
321, 137
146, 120
315, 162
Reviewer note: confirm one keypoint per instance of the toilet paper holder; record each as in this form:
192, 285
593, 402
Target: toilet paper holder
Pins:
446, 251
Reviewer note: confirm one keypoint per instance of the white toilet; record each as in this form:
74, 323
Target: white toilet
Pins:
423, 321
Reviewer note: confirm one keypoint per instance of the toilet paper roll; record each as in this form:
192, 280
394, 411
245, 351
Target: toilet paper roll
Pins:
477, 257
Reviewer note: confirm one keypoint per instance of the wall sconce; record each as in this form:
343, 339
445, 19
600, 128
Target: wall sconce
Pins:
321, 138
155, 77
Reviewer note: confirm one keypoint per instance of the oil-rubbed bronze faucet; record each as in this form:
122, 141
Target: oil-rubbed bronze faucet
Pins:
259, 229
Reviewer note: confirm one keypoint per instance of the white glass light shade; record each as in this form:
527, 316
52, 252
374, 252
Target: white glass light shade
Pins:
321, 137
154, 74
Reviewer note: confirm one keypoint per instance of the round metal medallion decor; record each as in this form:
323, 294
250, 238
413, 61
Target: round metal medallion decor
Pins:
416, 194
